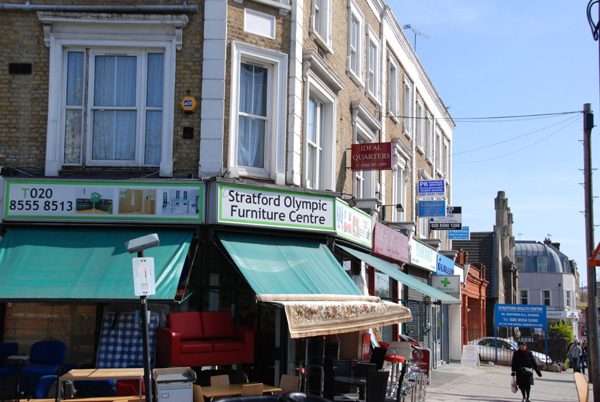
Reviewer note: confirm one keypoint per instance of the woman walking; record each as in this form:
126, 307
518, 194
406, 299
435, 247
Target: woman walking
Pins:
523, 366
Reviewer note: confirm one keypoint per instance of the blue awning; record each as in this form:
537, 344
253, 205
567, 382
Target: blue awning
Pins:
401, 277
302, 275
85, 263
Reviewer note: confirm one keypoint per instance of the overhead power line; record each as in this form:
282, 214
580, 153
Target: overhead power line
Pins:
491, 118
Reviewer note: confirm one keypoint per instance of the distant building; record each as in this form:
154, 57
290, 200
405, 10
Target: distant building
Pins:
496, 252
548, 277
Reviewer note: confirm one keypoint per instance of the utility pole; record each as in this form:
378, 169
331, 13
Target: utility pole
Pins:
592, 302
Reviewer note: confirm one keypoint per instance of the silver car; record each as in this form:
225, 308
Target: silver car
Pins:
506, 348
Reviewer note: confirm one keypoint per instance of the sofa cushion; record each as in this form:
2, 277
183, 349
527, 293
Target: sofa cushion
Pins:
196, 346
217, 324
188, 324
226, 345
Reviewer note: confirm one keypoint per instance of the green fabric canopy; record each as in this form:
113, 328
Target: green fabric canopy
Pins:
401, 277
280, 265
85, 263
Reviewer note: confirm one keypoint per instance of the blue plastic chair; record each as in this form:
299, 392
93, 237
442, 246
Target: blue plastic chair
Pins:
7, 349
46, 358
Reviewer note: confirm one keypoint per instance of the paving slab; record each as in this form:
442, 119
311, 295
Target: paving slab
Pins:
455, 382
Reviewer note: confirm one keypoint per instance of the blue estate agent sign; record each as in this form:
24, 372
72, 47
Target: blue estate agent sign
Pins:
432, 209
462, 234
432, 188
520, 315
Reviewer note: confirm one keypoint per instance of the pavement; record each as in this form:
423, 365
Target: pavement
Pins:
455, 382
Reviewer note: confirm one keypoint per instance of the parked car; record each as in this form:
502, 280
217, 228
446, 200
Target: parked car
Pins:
506, 348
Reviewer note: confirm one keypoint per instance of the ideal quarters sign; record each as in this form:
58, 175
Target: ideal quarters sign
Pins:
372, 156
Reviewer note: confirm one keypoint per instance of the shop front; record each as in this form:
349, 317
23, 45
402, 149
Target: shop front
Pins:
64, 262
268, 260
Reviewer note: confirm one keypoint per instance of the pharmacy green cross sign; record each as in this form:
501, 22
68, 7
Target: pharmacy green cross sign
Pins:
445, 282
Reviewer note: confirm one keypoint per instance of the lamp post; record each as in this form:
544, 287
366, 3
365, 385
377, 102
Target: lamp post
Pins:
138, 245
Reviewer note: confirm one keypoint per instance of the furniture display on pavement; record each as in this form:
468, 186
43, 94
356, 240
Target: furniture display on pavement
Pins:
207, 338
219, 391
103, 374
45, 358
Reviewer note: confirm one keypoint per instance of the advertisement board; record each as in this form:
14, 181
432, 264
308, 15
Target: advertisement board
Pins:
432, 209
372, 156
81, 200
452, 220
242, 205
432, 188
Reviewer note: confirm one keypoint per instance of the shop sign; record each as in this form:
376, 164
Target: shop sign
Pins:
446, 283
432, 188
520, 315
423, 256
463, 234
445, 266
432, 209
390, 243
372, 156
353, 224
452, 220
240, 205
102, 201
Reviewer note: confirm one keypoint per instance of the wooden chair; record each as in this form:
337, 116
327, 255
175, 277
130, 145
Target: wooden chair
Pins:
583, 388
222, 379
252, 389
198, 395
289, 383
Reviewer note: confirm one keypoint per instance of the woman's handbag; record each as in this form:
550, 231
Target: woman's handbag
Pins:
513, 385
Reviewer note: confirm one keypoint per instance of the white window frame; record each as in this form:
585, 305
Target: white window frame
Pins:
542, 297
318, 89
540, 262
393, 88
524, 292
400, 179
521, 264
407, 109
569, 298
71, 31
320, 24
438, 151
356, 50
446, 158
430, 129
364, 130
420, 124
275, 131
373, 61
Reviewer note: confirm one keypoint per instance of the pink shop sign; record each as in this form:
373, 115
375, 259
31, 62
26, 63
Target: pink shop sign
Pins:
390, 243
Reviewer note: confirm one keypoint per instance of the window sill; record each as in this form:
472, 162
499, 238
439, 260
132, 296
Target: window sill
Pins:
356, 79
394, 118
284, 9
314, 35
420, 150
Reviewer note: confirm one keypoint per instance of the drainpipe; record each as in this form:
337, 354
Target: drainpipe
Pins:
100, 9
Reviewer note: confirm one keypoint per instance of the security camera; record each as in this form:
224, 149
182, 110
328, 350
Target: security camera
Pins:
142, 243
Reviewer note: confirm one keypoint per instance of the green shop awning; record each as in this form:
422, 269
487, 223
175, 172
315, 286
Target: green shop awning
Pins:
303, 276
85, 263
401, 277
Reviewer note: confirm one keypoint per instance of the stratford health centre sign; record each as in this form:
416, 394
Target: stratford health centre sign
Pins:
520, 315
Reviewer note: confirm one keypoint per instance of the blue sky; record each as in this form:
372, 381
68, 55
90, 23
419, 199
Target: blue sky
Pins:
511, 58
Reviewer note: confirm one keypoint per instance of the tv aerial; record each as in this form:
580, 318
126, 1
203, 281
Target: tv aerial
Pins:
416, 32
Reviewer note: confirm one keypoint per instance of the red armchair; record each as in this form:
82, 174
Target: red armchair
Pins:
207, 338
